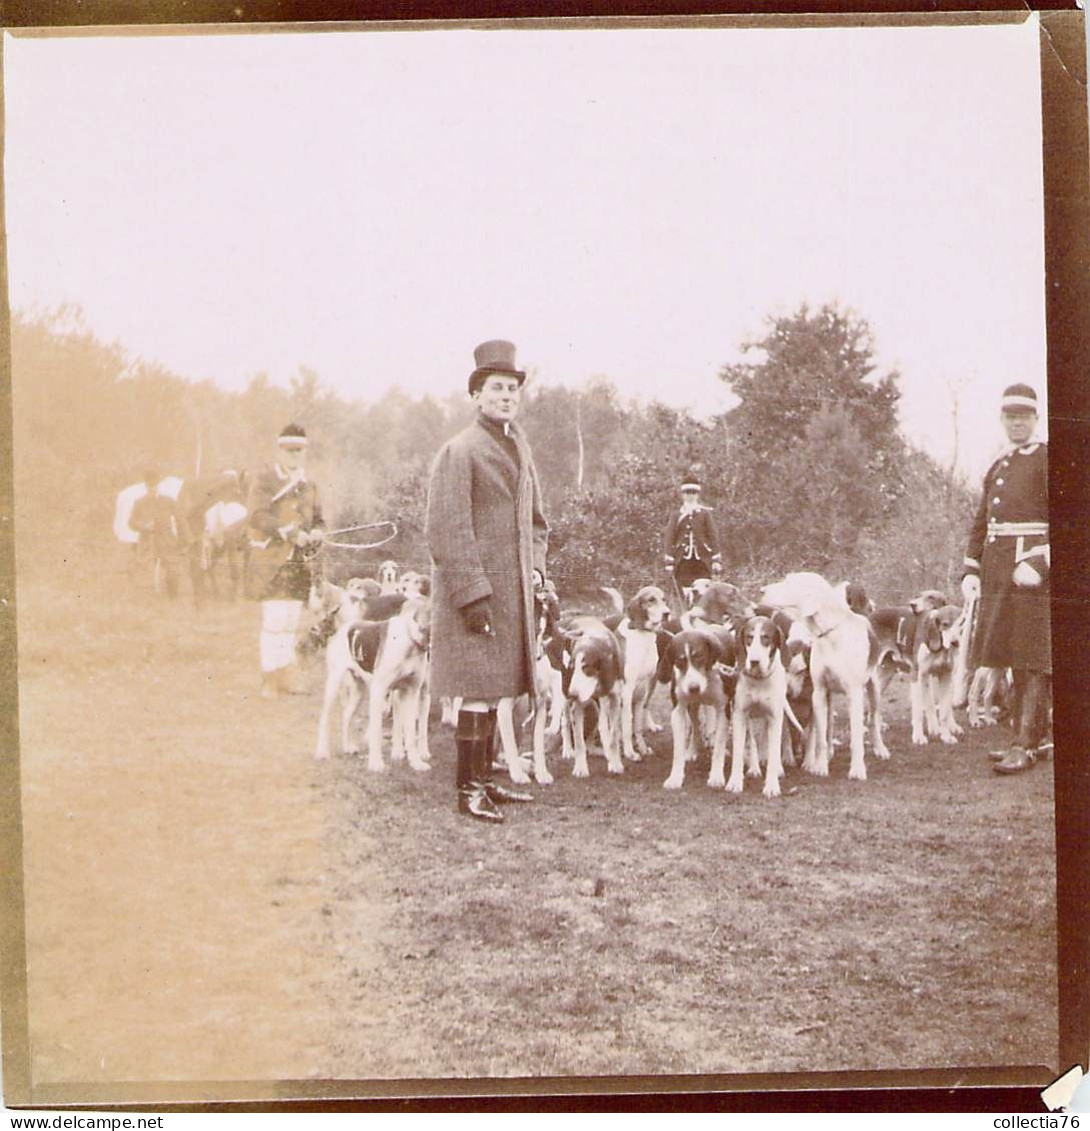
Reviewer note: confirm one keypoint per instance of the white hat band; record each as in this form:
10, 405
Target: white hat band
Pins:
1019, 402
292, 441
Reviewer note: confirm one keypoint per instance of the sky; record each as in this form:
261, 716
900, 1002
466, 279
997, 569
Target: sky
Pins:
621, 201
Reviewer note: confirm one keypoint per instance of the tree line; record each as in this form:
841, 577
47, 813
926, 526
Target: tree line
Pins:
808, 471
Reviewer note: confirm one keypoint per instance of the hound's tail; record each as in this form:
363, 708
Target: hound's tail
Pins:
791, 716
615, 597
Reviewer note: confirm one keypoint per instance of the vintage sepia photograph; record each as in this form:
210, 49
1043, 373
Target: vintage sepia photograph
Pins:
532, 555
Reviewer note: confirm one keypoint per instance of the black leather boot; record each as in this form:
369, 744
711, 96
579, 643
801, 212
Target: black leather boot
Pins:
1017, 759
1014, 719
471, 739
1023, 754
499, 794
1044, 718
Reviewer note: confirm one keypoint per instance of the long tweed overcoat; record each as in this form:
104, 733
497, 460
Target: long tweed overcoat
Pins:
486, 532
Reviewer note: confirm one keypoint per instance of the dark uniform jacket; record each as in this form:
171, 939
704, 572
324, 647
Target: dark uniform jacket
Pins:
1013, 626
277, 509
691, 537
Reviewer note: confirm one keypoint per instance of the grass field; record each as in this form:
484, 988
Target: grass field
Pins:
206, 902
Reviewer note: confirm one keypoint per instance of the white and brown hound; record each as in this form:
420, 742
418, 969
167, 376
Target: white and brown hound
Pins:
989, 696
388, 576
548, 679
390, 658
800, 696
548, 697
413, 584
329, 607
590, 665
637, 631
333, 606
938, 635
844, 655
700, 667
719, 603
896, 627
760, 701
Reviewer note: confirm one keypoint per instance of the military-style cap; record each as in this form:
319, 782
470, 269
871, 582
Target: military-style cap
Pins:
1019, 398
292, 436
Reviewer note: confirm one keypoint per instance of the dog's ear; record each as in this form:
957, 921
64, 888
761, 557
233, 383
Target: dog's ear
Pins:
611, 670
425, 586
728, 649
778, 643
855, 596
636, 612
933, 633
784, 623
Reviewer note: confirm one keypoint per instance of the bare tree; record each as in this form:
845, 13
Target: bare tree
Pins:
579, 440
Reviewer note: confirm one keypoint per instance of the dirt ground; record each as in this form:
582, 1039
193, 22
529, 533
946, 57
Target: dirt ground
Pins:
205, 902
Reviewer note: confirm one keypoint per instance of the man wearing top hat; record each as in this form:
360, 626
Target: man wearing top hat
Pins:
1007, 566
285, 527
690, 542
487, 537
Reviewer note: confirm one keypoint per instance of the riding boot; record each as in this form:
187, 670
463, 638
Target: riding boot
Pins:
1014, 719
471, 742
498, 794
1044, 718
1023, 754
494, 763
1017, 759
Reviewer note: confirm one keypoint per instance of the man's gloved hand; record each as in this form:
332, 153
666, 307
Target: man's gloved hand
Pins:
477, 616
1026, 577
970, 586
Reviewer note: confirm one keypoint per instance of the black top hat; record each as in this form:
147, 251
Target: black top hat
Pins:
1019, 398
496, 356
292, 436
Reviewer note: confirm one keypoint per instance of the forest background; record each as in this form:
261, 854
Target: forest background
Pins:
809, 470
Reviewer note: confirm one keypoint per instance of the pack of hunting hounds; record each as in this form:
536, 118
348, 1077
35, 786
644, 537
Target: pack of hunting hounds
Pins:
761, 673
